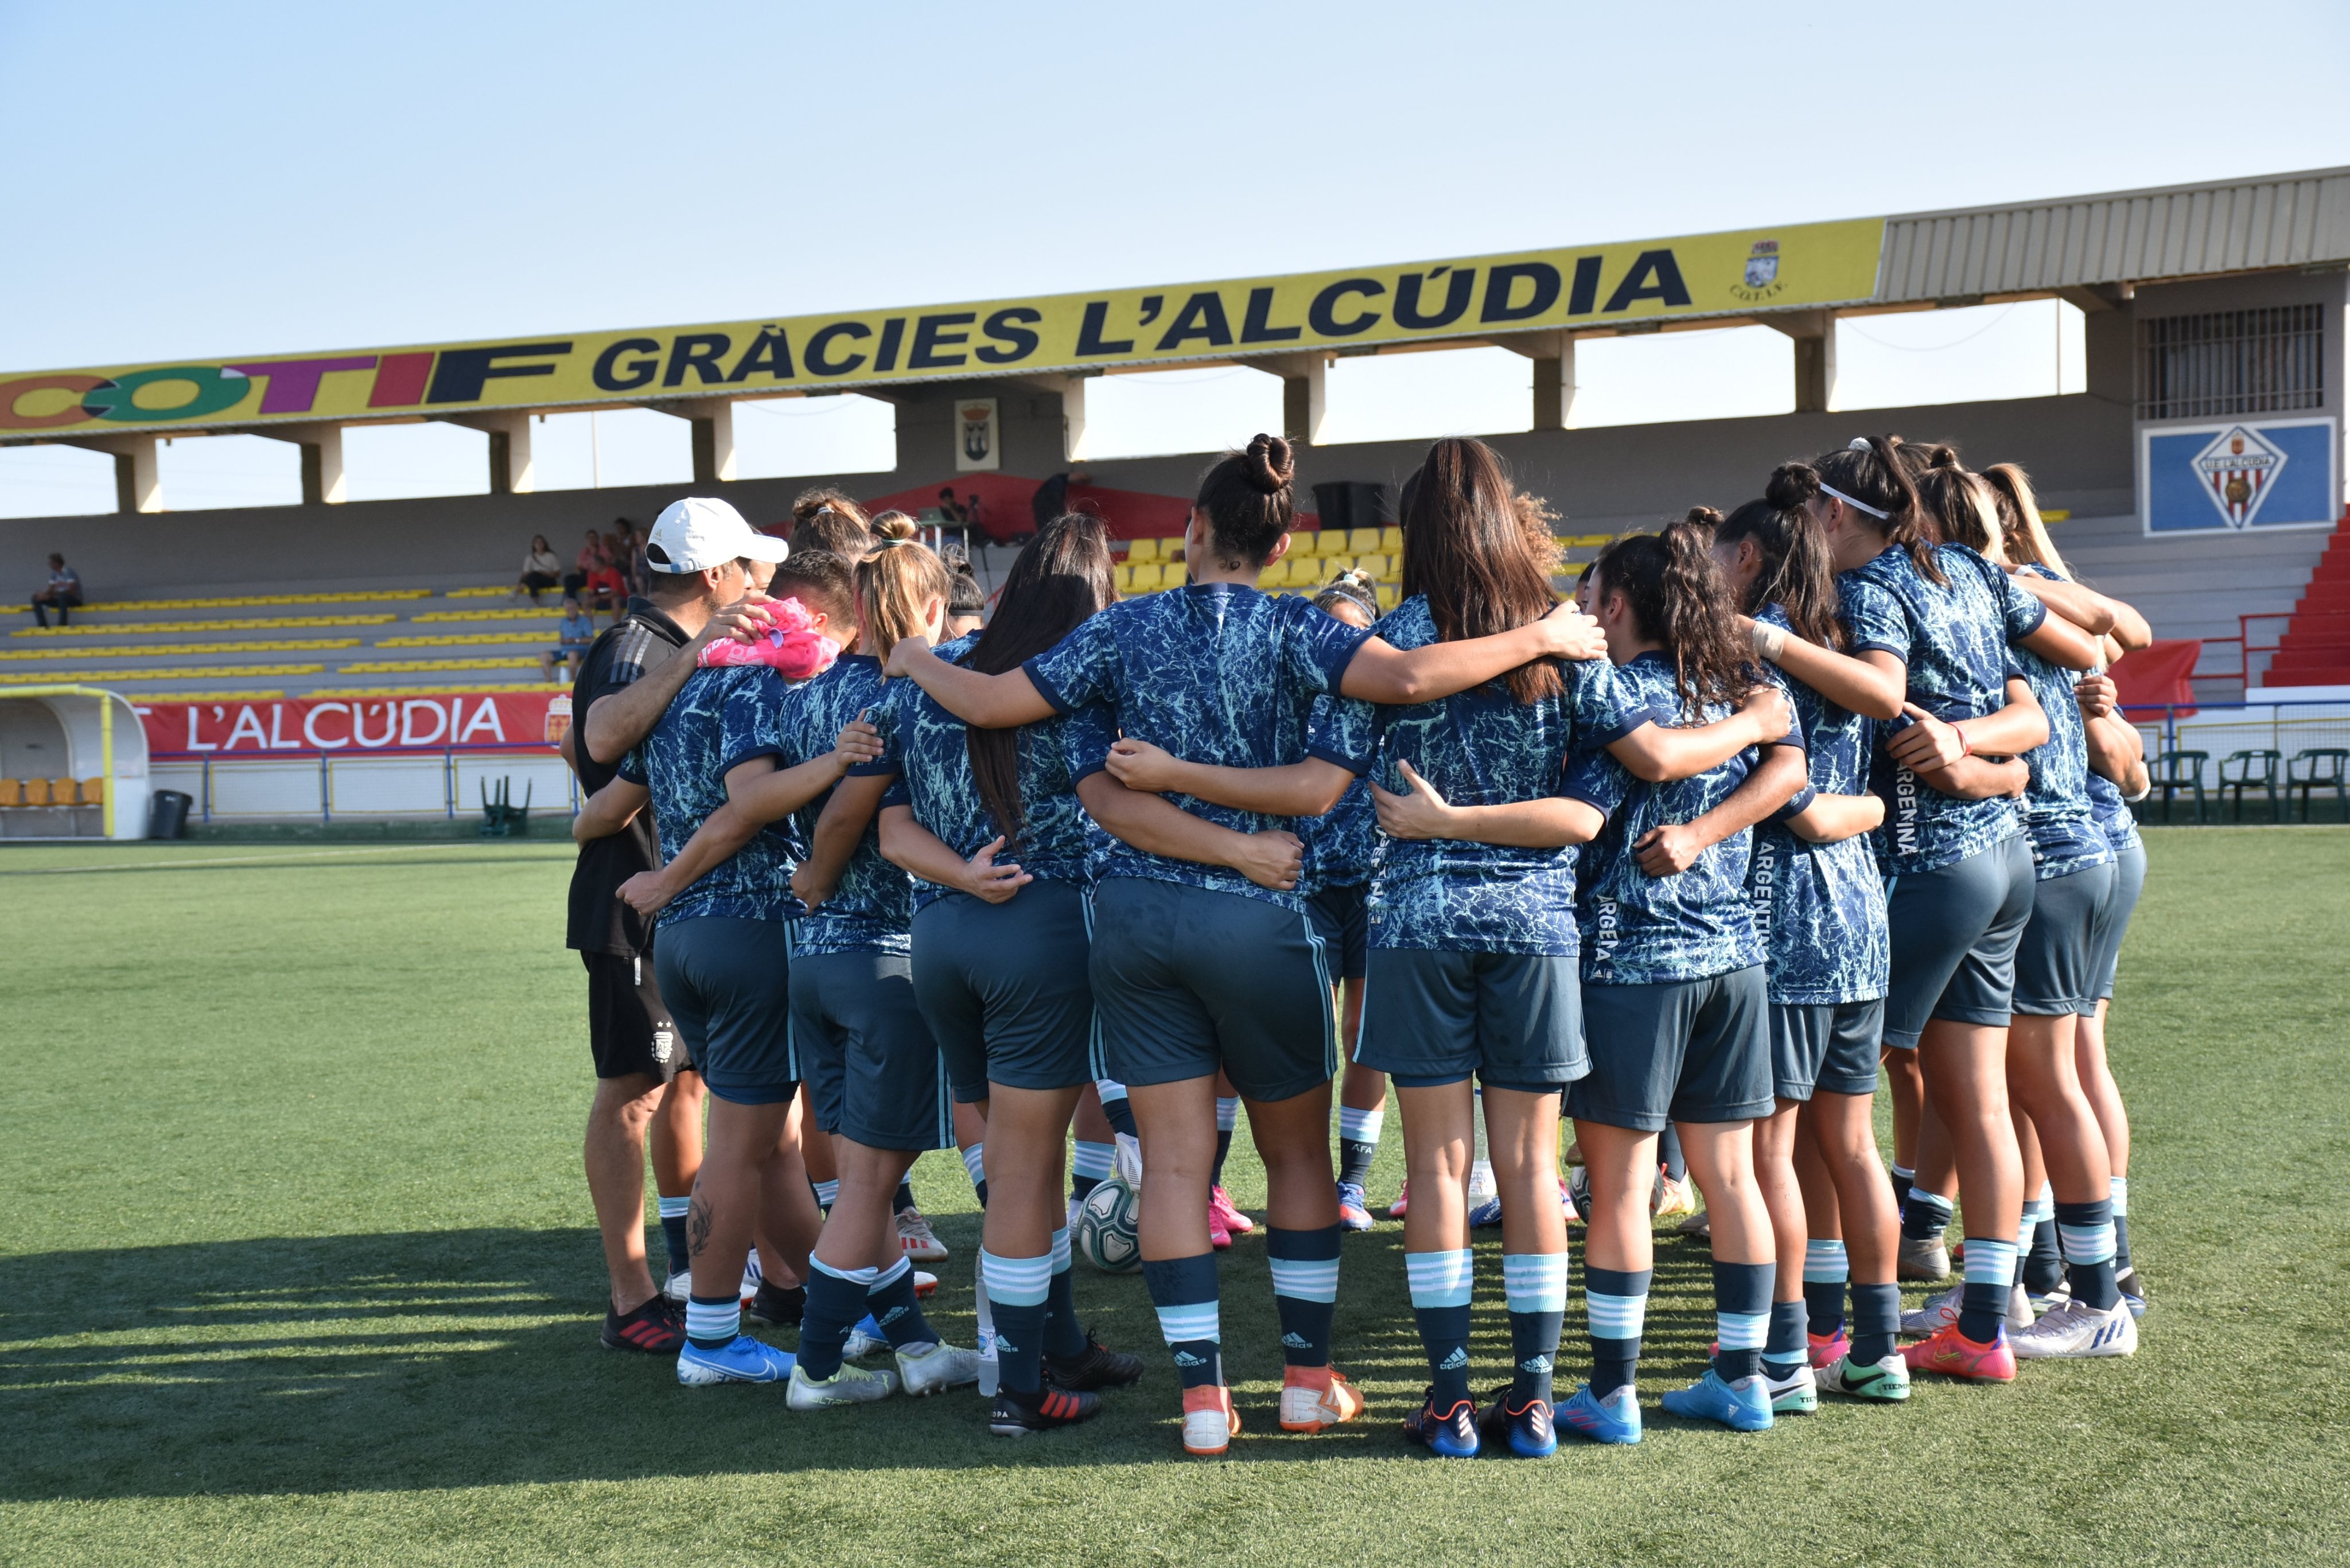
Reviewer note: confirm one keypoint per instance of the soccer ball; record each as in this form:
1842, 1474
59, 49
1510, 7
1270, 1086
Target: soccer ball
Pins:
1107, 1232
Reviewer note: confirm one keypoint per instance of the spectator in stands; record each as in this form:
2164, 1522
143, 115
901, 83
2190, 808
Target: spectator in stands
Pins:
1052, 497
949, 513
608, 586
590, 560
541, 569
829, 521
62, 595
966, 600
639, 570
972, 510
574, 634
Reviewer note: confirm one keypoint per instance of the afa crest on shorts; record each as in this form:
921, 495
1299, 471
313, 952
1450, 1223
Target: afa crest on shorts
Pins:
2238, 477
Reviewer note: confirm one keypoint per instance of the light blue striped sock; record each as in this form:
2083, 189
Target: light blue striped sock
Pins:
975, 1163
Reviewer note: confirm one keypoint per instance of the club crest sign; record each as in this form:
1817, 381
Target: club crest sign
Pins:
2239, 477
977, 446
1759, 281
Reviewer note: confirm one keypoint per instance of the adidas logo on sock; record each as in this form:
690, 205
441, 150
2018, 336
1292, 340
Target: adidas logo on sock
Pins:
1296, 1341
1002, 1343
1185, 1359
1537, 1364
887, 1318
1460, 1357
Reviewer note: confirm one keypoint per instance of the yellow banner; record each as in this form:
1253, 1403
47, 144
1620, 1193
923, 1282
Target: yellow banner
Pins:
1595, 287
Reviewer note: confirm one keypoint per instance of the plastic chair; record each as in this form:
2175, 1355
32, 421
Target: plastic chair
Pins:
1391, 539
2320, 767
2254, 770
12, 791
1141, 550
1362, 541
500, 817
2177, 771
92, 792
36, 792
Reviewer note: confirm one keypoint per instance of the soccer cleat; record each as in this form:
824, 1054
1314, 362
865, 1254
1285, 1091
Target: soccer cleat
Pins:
1886, 1382
1447, 1434
2076, 1331
745, 1360
1615, 1419
1018, 1415
1743, 1406
1826, 1349
1567, 1209
925, 1284
1315, 1398
1671, 1199
1077, 1207
1353, 1208
775, 1304
916, 1240
848, 1385
1579, 1188
1403, 1201
2133, 1291
1798, 1394
656, 1327
1922, 1258
936, 1369
1218, 1237
1486, 1215
1953, 1355
679, 1288
1221, 1207
1697, 1224
2048, 1301
1097, 1366
1209, 1420
1934, 1314
1481, 1182
1528, 1430
865, 1339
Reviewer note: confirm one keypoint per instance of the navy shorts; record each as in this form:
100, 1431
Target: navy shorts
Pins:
1826, 1048
2056, 960
728, 985
2113, 922
629, 1031
1005, 991
873, 1070
1188, 982
1342, 919
1514, 1019
1954, 931
1680, 1051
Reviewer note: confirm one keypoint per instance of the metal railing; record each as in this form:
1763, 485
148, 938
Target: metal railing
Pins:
2223, 729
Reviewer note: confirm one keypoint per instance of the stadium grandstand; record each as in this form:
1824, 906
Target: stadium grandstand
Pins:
2199, 475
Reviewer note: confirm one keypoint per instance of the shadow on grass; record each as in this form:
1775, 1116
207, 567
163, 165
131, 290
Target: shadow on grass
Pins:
436, 1359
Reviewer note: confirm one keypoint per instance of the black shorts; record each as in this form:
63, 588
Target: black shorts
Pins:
1342, 920
1515, 1020
1954, 931
1680, 1051
629, 1032
1828, 1048
1189, 982
728, 982
1003, 989
873, 1070
2056, 970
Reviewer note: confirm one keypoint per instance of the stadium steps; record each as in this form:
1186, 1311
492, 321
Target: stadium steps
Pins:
2315, 648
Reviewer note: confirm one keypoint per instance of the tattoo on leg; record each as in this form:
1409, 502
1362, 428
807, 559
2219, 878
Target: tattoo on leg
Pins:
697, 1224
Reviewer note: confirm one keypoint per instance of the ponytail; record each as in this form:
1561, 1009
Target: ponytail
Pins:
1798, 574
2026, 532
895, 582
1063, 575
1959, 508
1872, 476
1679, 600
1468, 551
1248, 502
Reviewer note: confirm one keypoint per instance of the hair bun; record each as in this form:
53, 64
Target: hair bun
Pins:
1703, 517
1792, 484
1942, 456
894, 525
1271, 466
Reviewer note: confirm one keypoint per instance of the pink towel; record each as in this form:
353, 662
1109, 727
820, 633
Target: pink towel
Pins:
791, 645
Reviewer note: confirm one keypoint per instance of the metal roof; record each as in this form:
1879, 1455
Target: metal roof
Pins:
2125, 236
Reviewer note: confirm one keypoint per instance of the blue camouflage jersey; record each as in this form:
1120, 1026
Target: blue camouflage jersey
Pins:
1953, 638
720, 719
872, 906
1484, 747
1216, 673
1342, 845
2112, 814
2057, 814
927, 748
1640, 929
1819, 909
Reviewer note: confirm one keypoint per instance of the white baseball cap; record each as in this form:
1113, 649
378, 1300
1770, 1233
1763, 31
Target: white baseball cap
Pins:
698, 533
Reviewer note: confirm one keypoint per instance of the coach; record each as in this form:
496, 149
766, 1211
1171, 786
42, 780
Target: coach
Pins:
644, 1083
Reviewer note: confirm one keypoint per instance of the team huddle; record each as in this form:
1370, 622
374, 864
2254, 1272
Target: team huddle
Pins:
1831, 782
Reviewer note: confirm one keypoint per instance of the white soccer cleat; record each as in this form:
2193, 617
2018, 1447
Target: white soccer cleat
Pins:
849, 1386
1941, 1312
2076, 1331
916, 1240
679, 1287
939, 1368
1128, 1159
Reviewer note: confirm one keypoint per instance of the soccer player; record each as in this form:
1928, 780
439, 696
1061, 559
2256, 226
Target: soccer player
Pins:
1197, 970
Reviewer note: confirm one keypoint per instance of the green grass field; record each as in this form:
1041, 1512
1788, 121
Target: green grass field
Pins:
297, 1265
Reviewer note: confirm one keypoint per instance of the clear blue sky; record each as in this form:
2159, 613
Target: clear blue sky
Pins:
251, 178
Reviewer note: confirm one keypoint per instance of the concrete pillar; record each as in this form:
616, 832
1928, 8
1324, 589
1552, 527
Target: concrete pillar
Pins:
138, 484
322, 461
1304, 396
1554, 356
1815, 361
2109, 334
712, 420
1071, 391
510, 462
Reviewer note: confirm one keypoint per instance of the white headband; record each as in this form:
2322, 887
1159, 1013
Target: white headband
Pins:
1856, 505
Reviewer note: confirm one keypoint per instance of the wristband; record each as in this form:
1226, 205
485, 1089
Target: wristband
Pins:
1769, 642
1966, 744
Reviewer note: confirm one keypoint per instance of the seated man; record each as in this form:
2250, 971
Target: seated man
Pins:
63, 593
576, 633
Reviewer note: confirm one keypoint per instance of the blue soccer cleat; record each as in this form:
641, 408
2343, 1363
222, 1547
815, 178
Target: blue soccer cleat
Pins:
1743, 1406
744, 1360
1447, 1434
1486, 1215
1615, 1419
865, 1339
1527, 1431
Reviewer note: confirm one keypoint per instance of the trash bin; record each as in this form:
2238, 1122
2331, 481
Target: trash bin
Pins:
169, 816
1351, 503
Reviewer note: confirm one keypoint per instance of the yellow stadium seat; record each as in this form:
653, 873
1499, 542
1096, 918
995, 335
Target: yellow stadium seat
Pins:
1141, 550
36, 792
12, 791
1362, 541
1145, 579
1329, 542
1178, 574
1376, 564
1275, 575
92, 792
1390, 597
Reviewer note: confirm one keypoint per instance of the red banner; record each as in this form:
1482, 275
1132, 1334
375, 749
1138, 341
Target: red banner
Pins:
2158, 674
357, 726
